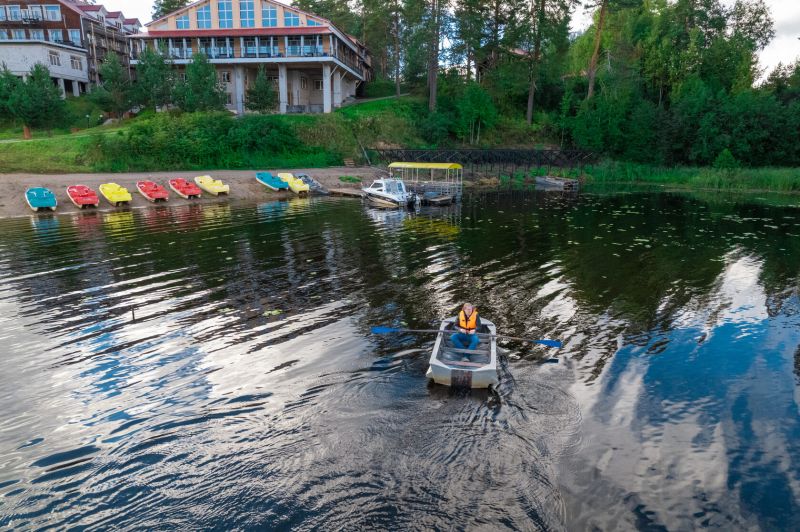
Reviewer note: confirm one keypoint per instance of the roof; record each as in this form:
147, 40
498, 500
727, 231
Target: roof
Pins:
114, 14
132, 21
89, 7
427, 166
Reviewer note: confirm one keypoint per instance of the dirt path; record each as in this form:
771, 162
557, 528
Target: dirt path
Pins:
242, 182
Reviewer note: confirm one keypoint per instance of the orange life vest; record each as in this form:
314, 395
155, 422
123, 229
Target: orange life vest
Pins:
469, 324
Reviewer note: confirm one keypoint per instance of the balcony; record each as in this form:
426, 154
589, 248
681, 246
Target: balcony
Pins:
253, 52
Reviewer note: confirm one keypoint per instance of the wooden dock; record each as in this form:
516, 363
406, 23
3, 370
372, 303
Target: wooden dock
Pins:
347, 192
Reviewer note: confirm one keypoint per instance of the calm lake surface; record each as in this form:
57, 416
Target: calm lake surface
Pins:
248, 392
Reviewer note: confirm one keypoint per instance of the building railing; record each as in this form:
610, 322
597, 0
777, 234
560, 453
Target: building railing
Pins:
252, 52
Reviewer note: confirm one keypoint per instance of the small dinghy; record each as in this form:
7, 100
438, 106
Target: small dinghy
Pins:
313, 185
41, 199
152, 191
82, 196
271, 182
464, 368
184, 189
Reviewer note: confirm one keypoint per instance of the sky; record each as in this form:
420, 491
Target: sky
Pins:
785, 47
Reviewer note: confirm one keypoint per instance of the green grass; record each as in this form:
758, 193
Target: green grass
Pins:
742, 179
60, 155
349, 179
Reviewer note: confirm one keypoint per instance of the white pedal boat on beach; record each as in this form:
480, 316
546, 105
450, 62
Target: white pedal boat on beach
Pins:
447, 364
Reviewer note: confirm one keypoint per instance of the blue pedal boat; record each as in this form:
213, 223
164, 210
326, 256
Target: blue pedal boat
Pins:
41, 199
271, 182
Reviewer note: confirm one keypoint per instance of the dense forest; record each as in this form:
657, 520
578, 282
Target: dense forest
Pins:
653, 81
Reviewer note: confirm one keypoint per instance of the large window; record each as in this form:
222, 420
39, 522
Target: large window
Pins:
204, 17
37, 35
75, 37
269, 16
247, 13
293, 46
55, 35
3, 35
52, 12
3, 14
290, 19
55, 59
18, 35
312, 22
182, 22
14, 13
75, 62
225, 13
35, 12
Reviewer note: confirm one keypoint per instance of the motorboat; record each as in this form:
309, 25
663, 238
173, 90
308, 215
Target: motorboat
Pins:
464, 368
390, 193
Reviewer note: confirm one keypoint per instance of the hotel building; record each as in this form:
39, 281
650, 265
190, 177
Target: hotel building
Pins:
70, 38
314, 65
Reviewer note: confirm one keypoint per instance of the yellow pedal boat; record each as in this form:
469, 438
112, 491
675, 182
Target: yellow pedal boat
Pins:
296, 185
115, 194
211, 185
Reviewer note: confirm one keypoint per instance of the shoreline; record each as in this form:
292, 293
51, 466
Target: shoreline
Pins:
244, 187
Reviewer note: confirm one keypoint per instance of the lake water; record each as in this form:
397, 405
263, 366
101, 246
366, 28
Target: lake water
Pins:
212, 366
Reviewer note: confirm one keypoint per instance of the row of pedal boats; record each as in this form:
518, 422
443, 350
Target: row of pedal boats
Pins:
82, 196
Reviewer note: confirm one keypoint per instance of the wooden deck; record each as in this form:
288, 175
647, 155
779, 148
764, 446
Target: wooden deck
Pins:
347, 192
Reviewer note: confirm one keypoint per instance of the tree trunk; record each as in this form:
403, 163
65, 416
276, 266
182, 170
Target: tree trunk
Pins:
433, 60
537, 51
26, 132
397, 50
597, 37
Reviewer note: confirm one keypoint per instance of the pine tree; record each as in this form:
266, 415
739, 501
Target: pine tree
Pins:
114, 93
154, 80
37, 102
261, 94
201, 91
165, 7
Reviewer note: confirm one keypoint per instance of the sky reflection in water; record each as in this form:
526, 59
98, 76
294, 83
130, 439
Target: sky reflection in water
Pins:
248, 391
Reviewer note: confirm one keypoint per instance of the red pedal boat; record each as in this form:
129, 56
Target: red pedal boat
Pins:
152, 191
83, 196
184, 188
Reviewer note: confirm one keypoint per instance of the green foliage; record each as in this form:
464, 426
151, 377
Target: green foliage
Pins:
476, 112
379, 88
261, 94
163, 7
114, 93
155, 80
200, 91
435, 127
349, 179
36, 102
202, 141
725, 161
8, 85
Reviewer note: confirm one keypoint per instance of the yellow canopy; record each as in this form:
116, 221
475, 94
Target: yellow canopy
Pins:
427, 166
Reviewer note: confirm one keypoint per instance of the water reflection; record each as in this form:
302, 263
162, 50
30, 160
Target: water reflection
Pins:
212, 366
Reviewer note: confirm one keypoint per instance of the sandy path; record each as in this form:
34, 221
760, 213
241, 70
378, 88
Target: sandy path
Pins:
242, 182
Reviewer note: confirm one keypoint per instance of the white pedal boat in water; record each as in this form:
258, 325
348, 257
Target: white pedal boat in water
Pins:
448, 367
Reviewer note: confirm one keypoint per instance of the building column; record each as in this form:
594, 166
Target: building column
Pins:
283, 92
61, 87
238, 88
326, 88
76, 88
337, 88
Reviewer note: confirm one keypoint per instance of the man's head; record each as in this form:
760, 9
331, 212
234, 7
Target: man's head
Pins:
468, 308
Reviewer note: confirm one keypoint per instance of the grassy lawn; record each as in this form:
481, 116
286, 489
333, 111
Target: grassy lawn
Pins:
59, 155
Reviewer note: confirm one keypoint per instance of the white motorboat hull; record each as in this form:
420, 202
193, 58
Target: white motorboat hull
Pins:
447, 368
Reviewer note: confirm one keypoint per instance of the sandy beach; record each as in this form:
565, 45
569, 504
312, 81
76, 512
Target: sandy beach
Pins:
243, 185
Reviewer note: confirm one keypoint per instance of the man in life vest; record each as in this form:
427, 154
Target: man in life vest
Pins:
467, 324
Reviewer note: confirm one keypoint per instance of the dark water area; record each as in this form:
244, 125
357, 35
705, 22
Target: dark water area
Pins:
211, 367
